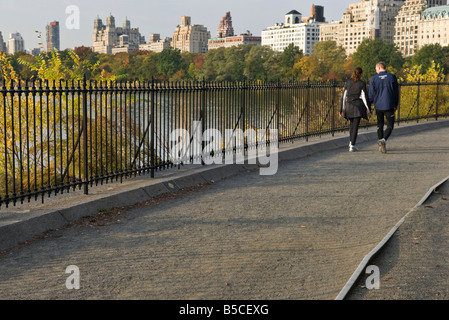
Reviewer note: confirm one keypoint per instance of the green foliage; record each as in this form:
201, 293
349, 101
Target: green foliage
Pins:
225, 64
289, 57
169, 62
262, 63
244, 62
370, 52
56, 65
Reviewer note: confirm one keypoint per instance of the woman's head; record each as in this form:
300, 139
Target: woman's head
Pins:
357, 75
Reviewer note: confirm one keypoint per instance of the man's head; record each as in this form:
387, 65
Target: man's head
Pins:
381, 66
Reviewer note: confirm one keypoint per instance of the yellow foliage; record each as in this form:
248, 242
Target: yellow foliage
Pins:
414, 74
38, 131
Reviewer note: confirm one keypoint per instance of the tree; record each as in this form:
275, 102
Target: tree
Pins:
427, 93
143, 66
56, 65
289, 57
428, 53
169, 61
370, 52
262, 63
41, 141
83, 52
325, 63
196, 66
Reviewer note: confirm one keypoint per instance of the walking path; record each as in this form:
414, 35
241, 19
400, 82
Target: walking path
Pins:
234, 234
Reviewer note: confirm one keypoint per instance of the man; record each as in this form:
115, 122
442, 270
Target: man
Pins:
384, 93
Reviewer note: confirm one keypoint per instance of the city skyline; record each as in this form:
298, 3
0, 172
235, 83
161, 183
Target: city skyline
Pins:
152, 17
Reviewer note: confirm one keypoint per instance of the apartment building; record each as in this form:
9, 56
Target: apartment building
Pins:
155, 43
121, 39
304, 35
225, 28
15, 43
190, 38
52, 33
434, 26
408, 34
367, 19
232, 41
226, 38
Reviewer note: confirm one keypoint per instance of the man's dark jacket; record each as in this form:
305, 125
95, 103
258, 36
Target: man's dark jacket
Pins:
384, 91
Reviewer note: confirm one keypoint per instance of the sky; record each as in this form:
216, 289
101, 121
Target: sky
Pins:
150, 16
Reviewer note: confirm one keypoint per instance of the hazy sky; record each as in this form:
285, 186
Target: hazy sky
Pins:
150, 16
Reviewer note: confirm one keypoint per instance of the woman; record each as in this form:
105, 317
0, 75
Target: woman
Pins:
354, 105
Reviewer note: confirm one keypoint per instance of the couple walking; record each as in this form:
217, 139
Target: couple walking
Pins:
356, 103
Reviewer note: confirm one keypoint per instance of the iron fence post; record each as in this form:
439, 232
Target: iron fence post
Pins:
417, 102
436, 106
152, 161
334, 93
85, 154
398, 120
278, 104
242, 113
203, 116
307, 108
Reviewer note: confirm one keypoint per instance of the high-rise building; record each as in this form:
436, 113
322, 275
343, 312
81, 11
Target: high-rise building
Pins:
2, 43
226, 38
15, 43
304, 35
225, 28
408, 23
121, 39
367, 19
52, 32
190, 38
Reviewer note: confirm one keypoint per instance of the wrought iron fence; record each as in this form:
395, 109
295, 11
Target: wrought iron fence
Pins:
66, 135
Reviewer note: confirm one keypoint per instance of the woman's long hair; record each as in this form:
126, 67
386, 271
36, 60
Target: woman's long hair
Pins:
357, 75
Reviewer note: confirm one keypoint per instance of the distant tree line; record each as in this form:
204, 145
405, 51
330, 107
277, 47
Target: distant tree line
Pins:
245, 62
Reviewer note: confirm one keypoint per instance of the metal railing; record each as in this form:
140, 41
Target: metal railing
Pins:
66, 135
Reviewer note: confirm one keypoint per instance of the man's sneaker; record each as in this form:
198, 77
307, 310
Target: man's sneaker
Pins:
352, 148
382, 146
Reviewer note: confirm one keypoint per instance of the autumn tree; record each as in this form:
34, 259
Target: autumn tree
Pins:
327, 62
431, 53
41, 123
